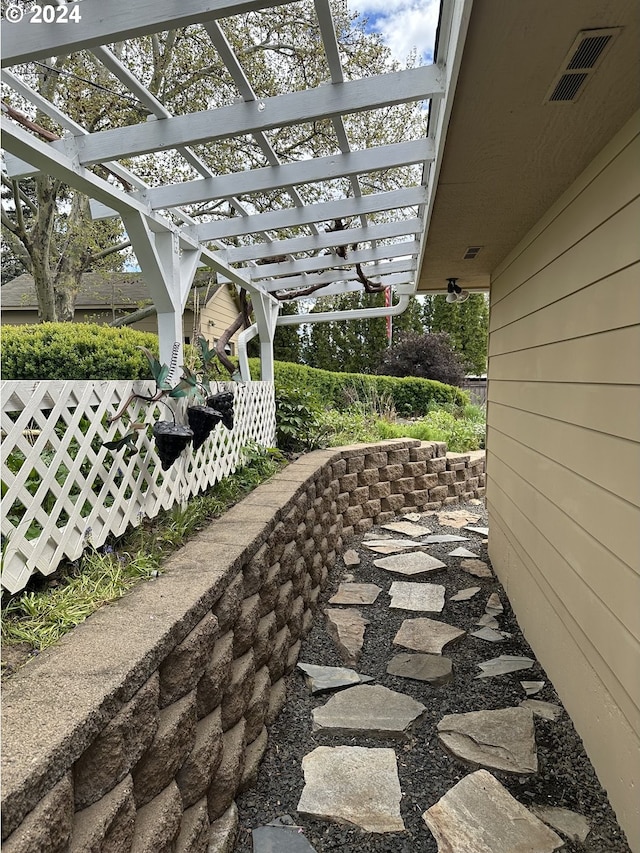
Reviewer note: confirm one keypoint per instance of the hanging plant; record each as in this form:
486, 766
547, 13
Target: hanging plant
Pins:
202, 420
223, 403
171, 440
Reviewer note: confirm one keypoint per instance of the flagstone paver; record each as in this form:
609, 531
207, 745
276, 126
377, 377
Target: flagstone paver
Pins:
573, 825
278, 837
546, 710
435, 669
479, 815
415, 563
321, 679
502, 739
413, 516
476, 567
462, 552
490, 635
442, 538
346, 628
503, 665
392, 546
426, 635
356, 593
353, 784
351, 558
417, 596
494, 605
406, 527
483, 531
457, 518
488, 621
371, 710
532, 687
466, 594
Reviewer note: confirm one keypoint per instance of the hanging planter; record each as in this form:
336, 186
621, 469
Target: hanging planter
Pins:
202, 420
223, 403
171, 440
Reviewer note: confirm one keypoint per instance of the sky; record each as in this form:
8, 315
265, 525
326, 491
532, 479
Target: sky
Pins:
405, 25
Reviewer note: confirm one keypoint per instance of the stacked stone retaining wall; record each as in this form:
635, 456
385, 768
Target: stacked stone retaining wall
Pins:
137, 731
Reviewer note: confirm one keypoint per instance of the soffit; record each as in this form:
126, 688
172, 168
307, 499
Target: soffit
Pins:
508, 156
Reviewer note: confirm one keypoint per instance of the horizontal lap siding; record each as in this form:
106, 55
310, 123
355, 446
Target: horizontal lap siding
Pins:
218, 315
564, 455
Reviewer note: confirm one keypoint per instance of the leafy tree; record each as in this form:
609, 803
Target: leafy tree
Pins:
47, 226
280, 49
466, 323
347, 346
287, 343
409, 321
429, 356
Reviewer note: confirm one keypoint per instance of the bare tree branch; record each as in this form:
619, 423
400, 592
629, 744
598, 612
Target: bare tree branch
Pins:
23, 196
9, 224
106, 252
134, 317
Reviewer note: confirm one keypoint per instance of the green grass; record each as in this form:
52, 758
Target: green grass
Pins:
462, 428
40, 618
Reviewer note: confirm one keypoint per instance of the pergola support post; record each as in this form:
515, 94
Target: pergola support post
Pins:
266, 310
169, 272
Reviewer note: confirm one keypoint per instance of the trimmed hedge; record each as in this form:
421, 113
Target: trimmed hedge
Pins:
75, 351
411, 396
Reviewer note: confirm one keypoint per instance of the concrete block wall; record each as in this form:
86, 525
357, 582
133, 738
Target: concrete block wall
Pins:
137, 731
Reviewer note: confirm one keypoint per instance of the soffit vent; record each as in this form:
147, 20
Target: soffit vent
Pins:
584, 57
471, 253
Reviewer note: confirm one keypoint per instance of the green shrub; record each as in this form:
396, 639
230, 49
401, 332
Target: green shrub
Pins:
297, 419
410, 395
75, 351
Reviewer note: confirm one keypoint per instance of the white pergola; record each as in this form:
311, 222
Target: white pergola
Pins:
171, 244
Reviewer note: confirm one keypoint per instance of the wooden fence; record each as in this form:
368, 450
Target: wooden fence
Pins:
477, 390
62, 490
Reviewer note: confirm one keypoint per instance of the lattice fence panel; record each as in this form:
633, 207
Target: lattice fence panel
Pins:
62, 490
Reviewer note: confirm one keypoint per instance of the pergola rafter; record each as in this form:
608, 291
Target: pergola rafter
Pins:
303, 248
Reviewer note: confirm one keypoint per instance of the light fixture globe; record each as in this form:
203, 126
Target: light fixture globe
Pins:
462, 296
451, 297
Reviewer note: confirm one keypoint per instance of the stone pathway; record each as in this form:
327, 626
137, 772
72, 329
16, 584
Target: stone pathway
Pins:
349, 780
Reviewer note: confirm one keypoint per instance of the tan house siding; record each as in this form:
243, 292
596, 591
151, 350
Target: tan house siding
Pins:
564, 455
218, 315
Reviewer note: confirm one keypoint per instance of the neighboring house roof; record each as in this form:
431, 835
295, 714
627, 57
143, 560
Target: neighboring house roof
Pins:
510, 152
97, 290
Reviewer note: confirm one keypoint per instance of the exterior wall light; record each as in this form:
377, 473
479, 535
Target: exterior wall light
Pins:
454, 292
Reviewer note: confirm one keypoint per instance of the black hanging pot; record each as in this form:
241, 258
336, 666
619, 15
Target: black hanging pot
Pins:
202, 420
223, 403
171, 440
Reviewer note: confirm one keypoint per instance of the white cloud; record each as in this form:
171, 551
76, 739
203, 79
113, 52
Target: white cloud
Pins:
405, 25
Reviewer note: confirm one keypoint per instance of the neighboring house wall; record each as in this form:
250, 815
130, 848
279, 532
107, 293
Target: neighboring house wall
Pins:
564, 455
215, 317
218, 315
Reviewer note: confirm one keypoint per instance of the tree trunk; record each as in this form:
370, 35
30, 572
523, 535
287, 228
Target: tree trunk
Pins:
39, 248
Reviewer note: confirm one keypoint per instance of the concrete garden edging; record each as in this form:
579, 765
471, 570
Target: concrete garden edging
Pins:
137, 731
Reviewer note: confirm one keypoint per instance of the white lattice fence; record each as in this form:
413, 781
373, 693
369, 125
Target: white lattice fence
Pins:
62, 489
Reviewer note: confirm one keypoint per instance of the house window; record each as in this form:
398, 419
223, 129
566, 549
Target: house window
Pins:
187, 339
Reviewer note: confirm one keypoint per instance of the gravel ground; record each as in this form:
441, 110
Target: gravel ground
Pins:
565, 777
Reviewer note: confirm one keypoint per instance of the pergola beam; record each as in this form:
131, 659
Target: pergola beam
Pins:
294, 217
114, 21
333, 276
332, 261
305, 171
324, 240
209, 126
